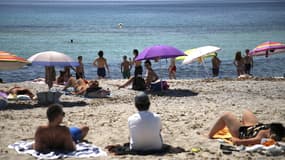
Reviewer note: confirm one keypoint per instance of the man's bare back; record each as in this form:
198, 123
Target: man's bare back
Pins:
51, 138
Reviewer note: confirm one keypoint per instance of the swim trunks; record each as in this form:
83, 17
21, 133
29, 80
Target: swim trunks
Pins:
126, 73
101, 72
75, 133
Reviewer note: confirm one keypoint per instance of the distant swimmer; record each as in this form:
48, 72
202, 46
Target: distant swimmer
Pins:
71, 41
120, 25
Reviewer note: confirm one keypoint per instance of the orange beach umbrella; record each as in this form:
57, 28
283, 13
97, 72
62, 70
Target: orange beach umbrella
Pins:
10, 61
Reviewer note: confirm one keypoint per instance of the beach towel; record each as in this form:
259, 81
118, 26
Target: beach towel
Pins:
275, 149
223, 135
83, 150
267, 146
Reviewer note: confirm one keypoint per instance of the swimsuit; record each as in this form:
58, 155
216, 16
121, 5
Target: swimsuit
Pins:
173, 69
251, 131
76, 133
138, 70
126, 73
101, 72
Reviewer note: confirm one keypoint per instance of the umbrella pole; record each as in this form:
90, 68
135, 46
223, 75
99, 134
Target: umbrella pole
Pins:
160, 75
205, 68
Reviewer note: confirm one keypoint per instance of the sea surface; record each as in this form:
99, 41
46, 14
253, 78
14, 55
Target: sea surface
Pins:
29, 27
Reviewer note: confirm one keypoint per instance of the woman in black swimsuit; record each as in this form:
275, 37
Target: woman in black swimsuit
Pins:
248, 131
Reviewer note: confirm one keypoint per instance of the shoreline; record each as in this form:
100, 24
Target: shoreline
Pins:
187, 110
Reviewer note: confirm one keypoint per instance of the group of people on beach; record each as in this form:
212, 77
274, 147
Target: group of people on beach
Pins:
80, 83
145, 129
243, 64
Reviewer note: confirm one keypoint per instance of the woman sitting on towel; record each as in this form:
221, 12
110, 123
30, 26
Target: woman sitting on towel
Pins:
248, 131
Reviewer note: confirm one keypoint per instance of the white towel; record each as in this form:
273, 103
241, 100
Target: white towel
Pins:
83, 150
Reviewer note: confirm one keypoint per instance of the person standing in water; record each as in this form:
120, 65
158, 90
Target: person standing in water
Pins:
102, 65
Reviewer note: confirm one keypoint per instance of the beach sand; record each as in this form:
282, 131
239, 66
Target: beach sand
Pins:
187, 111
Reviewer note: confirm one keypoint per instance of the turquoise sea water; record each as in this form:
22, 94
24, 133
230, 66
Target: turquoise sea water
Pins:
27, 28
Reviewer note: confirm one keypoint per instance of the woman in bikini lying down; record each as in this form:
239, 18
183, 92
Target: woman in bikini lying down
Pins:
248, 131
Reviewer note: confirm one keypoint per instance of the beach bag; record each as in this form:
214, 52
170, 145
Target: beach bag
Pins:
46, 98
138, 84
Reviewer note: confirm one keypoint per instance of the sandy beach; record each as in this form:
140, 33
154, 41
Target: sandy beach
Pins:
187, 110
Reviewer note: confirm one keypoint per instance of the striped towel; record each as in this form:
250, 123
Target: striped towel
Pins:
83, 150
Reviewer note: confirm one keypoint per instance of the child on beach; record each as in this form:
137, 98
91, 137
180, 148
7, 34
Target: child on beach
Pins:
80, 69
125, 68
101, 64
172, 69
248, 62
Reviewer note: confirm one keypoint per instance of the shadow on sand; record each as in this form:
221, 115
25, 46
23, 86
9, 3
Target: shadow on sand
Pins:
125, 150
26, 105
175, 93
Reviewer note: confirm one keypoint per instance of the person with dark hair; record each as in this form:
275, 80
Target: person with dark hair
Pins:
144, 126
56, 137
248, 131
151, 76
101, 64
17, 90
216, 65
248, 62
126, 67
137, 64
80, 73
239, 63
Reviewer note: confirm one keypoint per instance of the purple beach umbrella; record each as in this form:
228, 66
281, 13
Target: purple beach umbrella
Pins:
160, 52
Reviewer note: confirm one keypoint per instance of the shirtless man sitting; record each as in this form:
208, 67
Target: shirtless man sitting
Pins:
151, 76
56, 137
